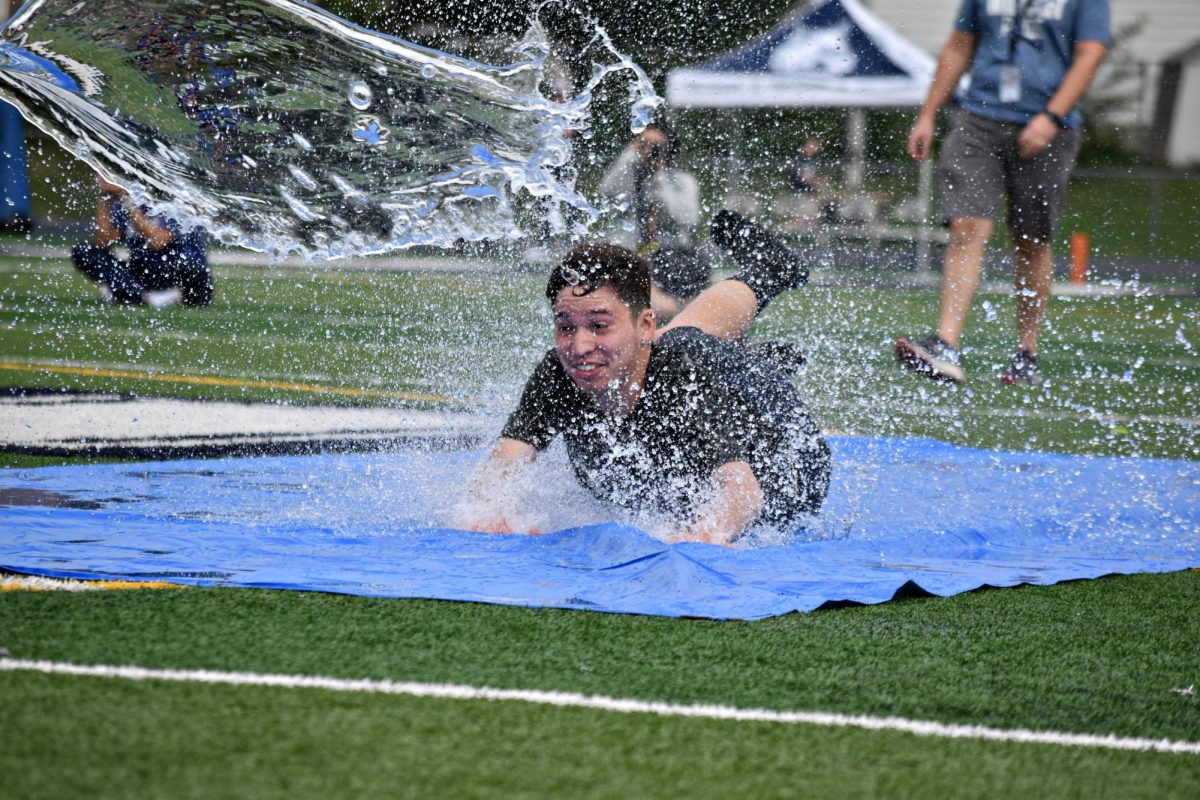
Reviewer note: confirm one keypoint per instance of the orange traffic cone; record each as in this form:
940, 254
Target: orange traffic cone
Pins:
1081, 246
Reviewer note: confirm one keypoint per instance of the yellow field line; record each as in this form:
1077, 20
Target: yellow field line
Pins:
216, 380
32, 583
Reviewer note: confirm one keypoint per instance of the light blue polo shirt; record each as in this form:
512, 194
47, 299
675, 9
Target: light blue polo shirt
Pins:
1042, 52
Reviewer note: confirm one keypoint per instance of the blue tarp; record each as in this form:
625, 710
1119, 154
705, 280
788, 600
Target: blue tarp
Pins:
902, 513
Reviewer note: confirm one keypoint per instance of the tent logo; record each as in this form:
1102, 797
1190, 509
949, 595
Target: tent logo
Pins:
824, 50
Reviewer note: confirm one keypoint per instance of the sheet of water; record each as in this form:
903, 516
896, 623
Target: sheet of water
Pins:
285, 129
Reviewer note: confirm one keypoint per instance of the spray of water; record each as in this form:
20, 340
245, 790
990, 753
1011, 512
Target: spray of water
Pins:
285, 129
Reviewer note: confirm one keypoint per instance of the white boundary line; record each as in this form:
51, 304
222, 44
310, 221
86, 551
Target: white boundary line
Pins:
602, 703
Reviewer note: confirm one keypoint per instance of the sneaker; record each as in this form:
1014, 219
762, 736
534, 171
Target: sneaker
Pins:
930, 357
163, 298
1022, 370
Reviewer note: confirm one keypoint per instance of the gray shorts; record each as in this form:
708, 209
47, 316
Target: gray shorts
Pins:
980, 164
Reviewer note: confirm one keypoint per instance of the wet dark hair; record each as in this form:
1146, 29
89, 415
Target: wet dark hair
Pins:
594, 265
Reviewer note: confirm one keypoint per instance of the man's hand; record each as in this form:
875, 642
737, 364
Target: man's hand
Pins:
1041, 130
1036, 136
737, 504
497, 524
493, 488
920, 139
952, 63
156, 236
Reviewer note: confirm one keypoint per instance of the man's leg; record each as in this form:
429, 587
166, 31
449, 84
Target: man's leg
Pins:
972, 180
680, 274
104, 268
937, 357
960, 274
176, 269
1037, 194
1034, 278
769, 268
724, 310
195, 279
666, 306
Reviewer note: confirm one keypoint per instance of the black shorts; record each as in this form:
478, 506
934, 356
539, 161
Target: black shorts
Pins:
794, 469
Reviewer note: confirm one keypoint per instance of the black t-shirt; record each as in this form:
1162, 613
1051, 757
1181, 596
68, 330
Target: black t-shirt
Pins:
687, 422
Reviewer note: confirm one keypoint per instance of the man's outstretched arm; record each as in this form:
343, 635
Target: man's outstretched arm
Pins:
493, 501
737, 504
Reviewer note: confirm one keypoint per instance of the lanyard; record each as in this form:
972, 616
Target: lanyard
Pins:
1014, 35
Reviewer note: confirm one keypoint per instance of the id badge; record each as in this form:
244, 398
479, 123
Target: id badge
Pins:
1010, 83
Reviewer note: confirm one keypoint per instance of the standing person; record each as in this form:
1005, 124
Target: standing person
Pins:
16, 210
1015, 134
663, 212
166, 266
682, 420
805, 176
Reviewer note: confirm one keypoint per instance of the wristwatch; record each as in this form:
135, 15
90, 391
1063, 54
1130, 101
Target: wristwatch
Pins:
1055, 118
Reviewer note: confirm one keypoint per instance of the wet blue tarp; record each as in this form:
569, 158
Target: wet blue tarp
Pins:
902, 513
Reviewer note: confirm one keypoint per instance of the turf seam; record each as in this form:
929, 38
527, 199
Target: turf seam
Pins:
449, 691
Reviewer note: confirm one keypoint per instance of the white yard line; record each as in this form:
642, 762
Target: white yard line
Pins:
144, 336
78, 423
391, 346
246, 258
451, 691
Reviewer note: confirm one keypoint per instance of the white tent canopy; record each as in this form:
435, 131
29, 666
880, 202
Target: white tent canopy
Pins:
830, 53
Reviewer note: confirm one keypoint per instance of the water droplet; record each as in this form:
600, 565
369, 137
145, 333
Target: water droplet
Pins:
360, 95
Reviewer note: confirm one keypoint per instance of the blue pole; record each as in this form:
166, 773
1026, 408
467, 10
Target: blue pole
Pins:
14, 180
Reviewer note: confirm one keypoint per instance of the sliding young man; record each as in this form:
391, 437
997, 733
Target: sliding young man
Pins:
682, 420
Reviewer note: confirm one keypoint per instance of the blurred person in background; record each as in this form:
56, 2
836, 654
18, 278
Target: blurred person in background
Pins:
662, 205
166, 265
806, 175
16, 211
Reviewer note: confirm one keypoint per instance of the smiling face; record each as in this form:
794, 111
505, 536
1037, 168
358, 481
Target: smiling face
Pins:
603, 345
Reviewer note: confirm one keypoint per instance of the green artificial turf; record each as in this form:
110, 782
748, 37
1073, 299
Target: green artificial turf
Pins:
1123, 371
361, 330
146, 740
1087, 657
1101, 657
1141, 218
1096, 657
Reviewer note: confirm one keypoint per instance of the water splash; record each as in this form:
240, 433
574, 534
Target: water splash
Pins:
285, 129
